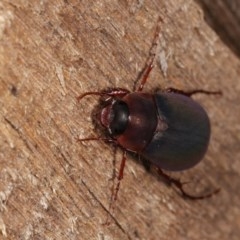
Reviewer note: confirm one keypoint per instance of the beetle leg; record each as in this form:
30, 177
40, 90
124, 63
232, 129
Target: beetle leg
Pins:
116, 190
149, 67
113, 92
120, 174
178, 184
149, 64
107, 140
192, 92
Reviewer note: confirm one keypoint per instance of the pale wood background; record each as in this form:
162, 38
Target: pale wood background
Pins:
52, 187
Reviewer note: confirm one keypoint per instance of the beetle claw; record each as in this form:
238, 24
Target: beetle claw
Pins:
179, 185
200, 197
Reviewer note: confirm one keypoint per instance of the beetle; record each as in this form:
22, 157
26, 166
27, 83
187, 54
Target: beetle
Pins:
168, 127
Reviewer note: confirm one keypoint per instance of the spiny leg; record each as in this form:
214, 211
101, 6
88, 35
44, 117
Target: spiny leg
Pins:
113, 92
149, 63
178, 184
145, 76
107, 140
115, 190
192, 92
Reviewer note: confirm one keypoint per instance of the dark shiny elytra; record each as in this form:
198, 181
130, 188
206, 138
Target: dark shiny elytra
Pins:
184, 143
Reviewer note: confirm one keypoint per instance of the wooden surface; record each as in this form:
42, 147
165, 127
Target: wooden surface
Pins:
52, 187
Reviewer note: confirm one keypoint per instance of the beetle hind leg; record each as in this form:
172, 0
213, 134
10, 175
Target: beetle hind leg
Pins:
179, 185
192, 92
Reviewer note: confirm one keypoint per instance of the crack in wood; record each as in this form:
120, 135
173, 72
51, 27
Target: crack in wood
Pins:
19, 134
105, 209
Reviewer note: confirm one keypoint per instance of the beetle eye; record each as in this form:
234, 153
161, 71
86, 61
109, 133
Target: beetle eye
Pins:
119, 117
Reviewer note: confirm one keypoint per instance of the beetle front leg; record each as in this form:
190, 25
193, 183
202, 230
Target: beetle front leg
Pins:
150, 61
112, 92
178, 184
115, 190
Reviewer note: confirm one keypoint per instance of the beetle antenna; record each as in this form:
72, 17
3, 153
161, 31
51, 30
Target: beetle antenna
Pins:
178, 184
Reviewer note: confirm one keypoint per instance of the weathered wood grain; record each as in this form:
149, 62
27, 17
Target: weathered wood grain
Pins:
52, 187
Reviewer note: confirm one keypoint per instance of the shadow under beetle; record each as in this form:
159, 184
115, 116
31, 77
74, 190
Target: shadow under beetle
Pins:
168, 128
